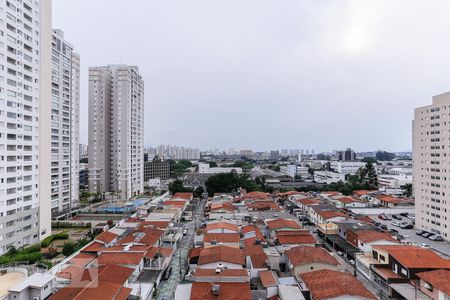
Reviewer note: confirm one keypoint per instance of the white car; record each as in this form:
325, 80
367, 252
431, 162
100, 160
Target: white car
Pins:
423, 245
397, 224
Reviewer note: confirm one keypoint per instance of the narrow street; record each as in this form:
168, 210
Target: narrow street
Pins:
166, 289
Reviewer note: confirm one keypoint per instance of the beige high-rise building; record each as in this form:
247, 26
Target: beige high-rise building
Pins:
431, 170
25, 59
65, 136
116, 130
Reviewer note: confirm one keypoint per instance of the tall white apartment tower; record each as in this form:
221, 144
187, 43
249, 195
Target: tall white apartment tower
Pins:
65, 111
116, 127
431, 166
24, 96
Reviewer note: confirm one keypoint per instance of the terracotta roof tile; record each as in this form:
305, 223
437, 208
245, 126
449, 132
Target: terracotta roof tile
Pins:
282, 223
221, 225
222, 237
439, 279
368, 236
302, 255
267, 278
224, 273
326, 284
227, 291
415, 257
120, 258
106, 237
221, 253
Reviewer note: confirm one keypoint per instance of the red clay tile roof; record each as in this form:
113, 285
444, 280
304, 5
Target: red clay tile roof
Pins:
390, 199
228, 291
282, 223
296, 239
222, 206
329, 214
251, 228
222, 225
178, 203
326, 284
256, 253
263, 205
308, 202
290, 193
194, 252
222, 237
347, 200
267, 278
155, 224
221, 253
120, 258
187, 196
94, 247
106, 237
257, 195
439, 279
415, 257
302, 255
368, 236
101, 283
224, 273
331, 194
363, 192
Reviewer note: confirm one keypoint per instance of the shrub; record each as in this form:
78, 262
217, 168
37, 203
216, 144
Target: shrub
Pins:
69, 248
31, 249
59, 236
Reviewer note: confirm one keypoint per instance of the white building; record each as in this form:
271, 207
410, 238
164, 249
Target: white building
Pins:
116, 135
328, 177
83, 150
394, 181
25, 118
347, 167
204, 168
65, 125
431, 141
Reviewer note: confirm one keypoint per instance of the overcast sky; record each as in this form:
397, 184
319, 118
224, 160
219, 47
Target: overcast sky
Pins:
267, 75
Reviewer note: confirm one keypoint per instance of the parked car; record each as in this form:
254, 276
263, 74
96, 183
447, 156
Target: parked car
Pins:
382, 217
397, 217
426, 234
397, 224
423, 245
185, 231
407, 226
411, 216
391, 230
420, 232
403, 214
436, 237
388, 217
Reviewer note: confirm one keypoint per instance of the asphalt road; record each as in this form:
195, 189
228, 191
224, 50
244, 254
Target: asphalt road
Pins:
443, 247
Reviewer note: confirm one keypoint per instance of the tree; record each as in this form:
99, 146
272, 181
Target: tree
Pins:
369, 159
383, 155
407, 189
230, 182
371, 174
213, 164
275, 168
198, 192
12, 251
178, 187
68, 248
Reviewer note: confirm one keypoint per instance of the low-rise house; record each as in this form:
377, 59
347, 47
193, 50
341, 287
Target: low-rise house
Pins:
400, 264
228, 257
435, 284
213, 291
226, 239
334, 285
134, 260
220, 275
106, 238
269, 282
289, 239
366, 239
221, 227
255, 257
105, 282
36, 286
327, 216
281, 225
390, 201
303, 259
349, 202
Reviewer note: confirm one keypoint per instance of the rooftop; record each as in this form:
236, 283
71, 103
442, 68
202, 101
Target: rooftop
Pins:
302, 255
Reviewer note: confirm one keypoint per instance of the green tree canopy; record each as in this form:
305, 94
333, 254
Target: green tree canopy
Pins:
230, 182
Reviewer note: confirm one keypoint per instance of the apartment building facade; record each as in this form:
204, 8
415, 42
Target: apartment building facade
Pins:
156, 169
25, 35
65, 125
116, 122
431, 141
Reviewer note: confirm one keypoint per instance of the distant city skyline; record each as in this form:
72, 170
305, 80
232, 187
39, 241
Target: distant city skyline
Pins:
319, 73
